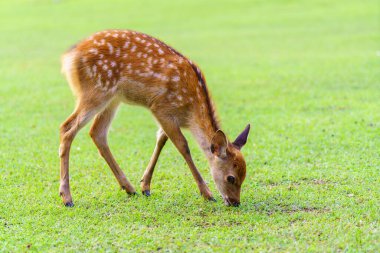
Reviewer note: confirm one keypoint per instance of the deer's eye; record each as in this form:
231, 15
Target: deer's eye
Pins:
231, 179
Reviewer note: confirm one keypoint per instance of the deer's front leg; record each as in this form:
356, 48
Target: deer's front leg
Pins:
147, 177
173, 131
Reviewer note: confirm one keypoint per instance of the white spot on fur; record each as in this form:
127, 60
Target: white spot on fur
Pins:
105, 67
117, 52
98, 82
114, 88
88, 72
113, 63
104, 88
157, 75
126, 44
175, 78
109, 73
160, 52
110, 48
93, 51
133, 48
144, 74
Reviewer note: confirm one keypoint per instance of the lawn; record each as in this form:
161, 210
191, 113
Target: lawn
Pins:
305, 74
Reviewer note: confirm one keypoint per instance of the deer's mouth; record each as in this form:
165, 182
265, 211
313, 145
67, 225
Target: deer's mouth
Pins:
231, 202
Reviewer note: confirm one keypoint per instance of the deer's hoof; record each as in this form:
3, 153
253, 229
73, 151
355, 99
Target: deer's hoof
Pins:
212, 199
132, 193
146, 193
69, 204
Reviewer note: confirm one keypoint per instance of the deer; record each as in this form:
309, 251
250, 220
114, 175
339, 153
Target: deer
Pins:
112, 67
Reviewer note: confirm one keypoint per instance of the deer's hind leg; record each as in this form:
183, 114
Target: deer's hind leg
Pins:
83, 113
147, 177
98, 133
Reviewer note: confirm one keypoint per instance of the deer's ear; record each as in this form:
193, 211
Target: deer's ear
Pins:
219, 144
241, 140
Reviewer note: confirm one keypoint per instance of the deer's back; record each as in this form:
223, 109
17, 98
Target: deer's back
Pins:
137, 67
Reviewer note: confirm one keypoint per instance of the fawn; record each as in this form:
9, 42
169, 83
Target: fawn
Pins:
115, 66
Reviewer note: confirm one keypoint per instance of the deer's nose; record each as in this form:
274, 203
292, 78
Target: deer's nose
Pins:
232, 202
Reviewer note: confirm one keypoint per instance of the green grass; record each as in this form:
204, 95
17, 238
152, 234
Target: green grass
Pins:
305, 74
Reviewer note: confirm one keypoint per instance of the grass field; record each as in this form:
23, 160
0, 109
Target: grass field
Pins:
305, 74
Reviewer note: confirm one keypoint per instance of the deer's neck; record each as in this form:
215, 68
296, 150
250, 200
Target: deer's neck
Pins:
204, 123
203, 132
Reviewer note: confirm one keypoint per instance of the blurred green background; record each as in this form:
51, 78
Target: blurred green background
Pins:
305, 74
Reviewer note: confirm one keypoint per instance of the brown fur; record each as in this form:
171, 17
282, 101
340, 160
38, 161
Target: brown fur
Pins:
115, 66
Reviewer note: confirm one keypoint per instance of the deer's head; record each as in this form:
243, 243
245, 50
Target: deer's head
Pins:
228, 165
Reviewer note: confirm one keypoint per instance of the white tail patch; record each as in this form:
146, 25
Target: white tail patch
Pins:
68, 69
67, 62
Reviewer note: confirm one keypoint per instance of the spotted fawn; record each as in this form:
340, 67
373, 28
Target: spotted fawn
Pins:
115, 66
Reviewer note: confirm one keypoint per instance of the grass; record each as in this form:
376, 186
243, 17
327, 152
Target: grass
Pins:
305, 74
